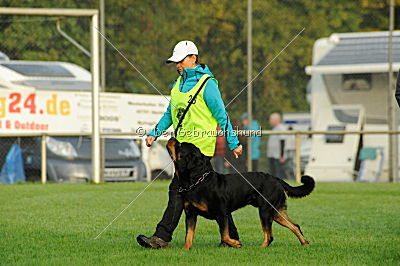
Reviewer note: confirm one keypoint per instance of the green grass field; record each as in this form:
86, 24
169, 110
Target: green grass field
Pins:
57, 224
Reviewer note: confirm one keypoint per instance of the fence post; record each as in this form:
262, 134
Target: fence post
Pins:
298, 167
95, 71
44, 159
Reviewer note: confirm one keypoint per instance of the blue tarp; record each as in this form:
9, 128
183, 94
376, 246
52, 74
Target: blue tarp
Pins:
13, 167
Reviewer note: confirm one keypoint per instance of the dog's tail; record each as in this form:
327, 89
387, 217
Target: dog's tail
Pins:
301, 191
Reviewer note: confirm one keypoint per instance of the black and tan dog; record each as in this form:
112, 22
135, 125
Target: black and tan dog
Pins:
213, 195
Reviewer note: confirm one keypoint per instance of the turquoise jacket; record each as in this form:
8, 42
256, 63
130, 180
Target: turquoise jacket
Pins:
255, 141
213, 99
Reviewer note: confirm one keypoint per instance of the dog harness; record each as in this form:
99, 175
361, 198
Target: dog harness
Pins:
199, 125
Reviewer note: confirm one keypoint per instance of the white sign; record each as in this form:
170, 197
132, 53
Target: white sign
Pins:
62, 111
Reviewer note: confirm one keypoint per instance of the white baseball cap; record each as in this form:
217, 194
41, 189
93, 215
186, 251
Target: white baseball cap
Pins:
181, 50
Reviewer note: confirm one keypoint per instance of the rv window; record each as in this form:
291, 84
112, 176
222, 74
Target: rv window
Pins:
40, 70
335, 138
349, 116
356, 82
56, 84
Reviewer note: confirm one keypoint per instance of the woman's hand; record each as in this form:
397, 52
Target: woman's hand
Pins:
149, 140
238, 151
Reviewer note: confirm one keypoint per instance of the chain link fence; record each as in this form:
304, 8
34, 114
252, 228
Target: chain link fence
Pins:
31, 155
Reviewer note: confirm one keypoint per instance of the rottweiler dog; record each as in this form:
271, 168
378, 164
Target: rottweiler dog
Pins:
213, 195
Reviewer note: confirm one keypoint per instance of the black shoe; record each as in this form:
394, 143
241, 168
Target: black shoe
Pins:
151, 242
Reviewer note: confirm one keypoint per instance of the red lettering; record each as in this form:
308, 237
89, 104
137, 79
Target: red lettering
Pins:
15, 99
30, 126
30, 103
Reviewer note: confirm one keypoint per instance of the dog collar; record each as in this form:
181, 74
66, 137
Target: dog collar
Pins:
201, 179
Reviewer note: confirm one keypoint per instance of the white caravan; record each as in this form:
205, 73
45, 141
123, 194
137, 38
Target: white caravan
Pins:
19, 74
348, 91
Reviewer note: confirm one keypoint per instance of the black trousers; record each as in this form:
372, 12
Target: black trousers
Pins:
173, 212
254, 165
276, 168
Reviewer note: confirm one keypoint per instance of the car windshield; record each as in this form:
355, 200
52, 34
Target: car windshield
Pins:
115, 149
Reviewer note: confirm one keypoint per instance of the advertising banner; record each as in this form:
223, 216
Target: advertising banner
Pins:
70, 112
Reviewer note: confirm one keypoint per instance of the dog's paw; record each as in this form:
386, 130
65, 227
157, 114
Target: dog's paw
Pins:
270, 241
236, 244
267, 243
239, 245
187, 247
231, 243
306, 243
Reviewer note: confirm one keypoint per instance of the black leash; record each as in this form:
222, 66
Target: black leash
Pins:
187, 107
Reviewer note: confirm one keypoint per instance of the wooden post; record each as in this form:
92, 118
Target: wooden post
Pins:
298, 167
44, 159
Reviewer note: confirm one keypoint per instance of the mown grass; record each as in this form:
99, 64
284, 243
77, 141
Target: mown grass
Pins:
57, 224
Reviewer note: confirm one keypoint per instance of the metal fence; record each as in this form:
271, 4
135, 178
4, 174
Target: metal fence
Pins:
70, 157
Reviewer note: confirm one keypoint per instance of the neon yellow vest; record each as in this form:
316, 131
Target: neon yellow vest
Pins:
199, 125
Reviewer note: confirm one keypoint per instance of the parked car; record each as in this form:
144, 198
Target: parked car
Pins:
69, 159
160, 163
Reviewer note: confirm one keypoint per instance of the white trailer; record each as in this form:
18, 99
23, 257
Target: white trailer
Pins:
349, 84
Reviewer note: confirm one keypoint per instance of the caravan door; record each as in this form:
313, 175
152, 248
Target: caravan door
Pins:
333, 157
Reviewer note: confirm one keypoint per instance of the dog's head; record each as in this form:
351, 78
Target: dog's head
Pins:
188, 159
